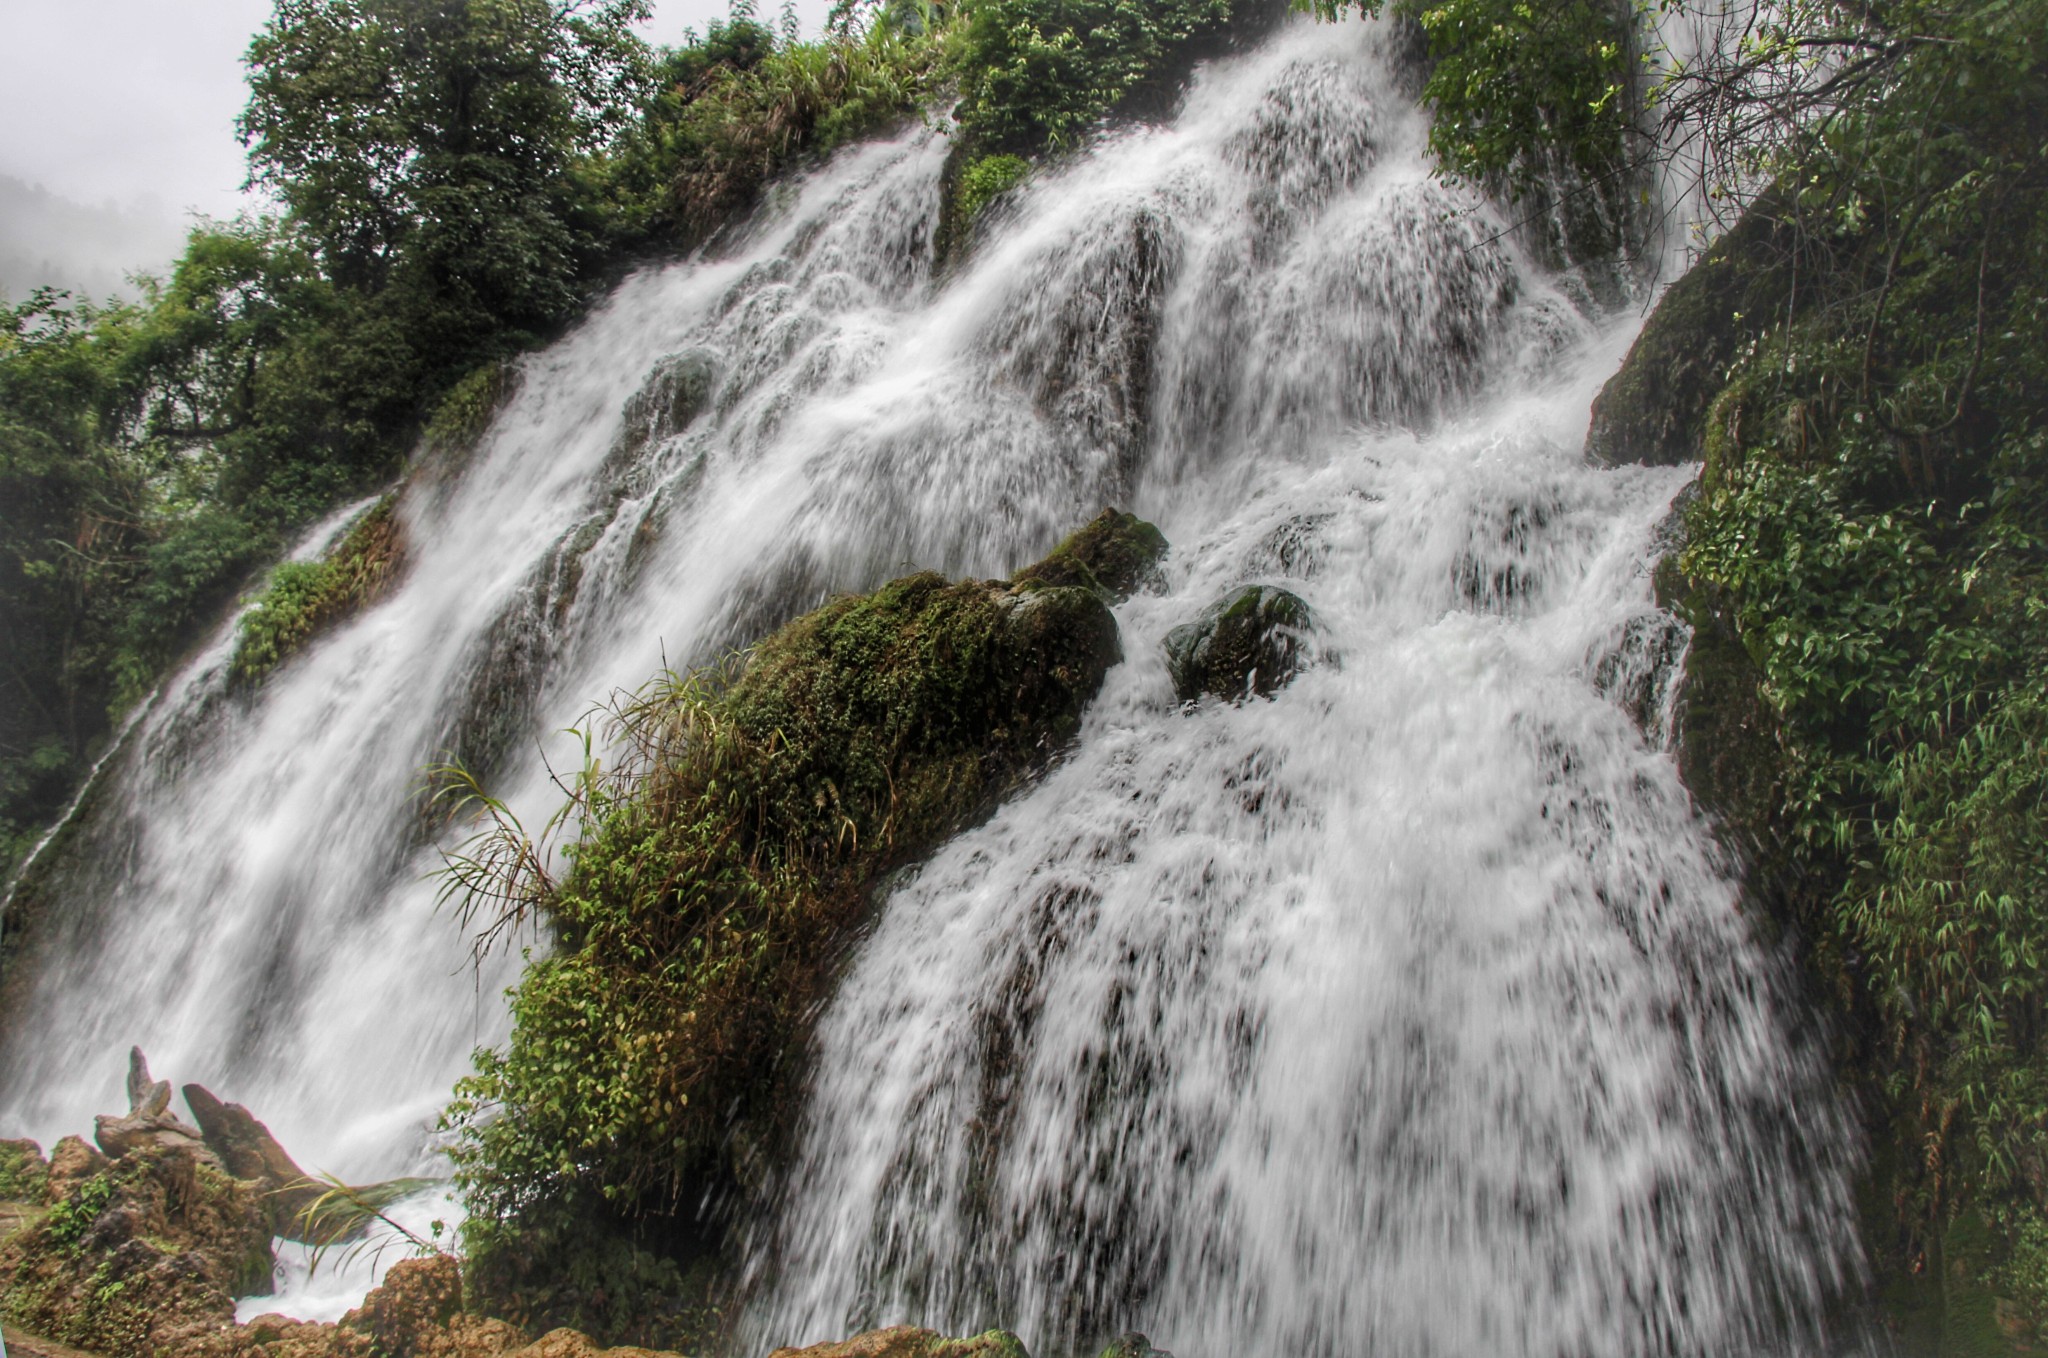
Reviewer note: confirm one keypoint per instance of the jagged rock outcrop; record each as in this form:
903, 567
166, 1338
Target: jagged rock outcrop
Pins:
149, 1121
143, 1256
72, 1162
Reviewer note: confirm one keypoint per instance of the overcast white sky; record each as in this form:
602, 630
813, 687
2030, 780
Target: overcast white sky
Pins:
133, 100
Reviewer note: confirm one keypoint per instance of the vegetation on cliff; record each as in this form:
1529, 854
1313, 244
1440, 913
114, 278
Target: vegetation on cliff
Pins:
1862, 365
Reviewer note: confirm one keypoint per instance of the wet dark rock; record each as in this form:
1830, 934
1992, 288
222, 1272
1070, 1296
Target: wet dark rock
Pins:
1115, 554
1654, 409
1087, 363
1253, 640
1132, 1345
674, 394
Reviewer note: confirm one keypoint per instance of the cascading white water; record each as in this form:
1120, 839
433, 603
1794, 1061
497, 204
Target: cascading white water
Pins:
1407, 1013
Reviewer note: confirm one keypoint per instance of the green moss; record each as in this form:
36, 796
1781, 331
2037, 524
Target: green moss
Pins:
722, 866
986, 179
304, 597
24, 1173
1115, 554
465, 412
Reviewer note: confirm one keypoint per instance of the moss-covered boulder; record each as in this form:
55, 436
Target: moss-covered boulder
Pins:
1253, 640
731, 853
1654, 409
1116, 554
144, 1258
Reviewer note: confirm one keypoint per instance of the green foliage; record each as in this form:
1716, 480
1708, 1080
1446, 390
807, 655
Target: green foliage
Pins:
459, 421
67, 1222
431, 144
736, 108
1038, 74
24, 1174
70, 545
305, 596
725, 848
1515, 84
986, 179
1872, 519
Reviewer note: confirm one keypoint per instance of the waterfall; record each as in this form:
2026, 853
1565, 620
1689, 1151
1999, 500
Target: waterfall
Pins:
1410, 1012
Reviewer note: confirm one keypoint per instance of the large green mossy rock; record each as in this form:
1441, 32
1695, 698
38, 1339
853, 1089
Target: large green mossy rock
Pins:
1253, 640
1654, 410
712, 900
901, 711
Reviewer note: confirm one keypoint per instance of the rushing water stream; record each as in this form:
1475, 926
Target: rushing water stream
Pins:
1409, 1013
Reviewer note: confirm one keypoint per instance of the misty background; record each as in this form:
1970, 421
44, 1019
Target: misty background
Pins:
117, 129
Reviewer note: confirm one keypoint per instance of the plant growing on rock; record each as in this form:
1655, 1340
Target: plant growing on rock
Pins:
726, 847
304, 597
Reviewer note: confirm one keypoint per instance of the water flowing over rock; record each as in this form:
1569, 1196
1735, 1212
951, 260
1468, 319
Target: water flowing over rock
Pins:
1407, 1013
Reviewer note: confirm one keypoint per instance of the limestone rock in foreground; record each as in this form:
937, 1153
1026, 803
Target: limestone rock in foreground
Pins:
414, 1313
1253, 640
141, 1256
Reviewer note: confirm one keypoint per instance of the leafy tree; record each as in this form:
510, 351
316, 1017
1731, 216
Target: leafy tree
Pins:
1040, 73
433, 146
69, 530
1516, 84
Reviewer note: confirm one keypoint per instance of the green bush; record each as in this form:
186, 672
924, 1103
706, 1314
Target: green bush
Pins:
1038, 74
737, 108
304, 597
985, 180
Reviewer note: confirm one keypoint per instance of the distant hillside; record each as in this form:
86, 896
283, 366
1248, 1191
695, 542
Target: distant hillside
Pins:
46, 239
